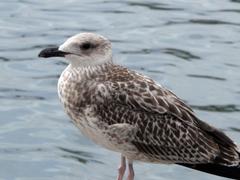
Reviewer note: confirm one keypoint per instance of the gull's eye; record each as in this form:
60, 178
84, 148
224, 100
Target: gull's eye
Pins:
86, 46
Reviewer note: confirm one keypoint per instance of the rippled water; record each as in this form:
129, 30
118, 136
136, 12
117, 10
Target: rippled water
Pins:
192, 47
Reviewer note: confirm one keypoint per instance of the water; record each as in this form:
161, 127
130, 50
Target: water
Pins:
191, 47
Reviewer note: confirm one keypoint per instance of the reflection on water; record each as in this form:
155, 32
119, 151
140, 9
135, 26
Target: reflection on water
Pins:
11, 90
80, 156
203, 22
190, 47
27, 48
15, 94
217, 108
19, 150
4, 59
175, 52
47, 77
155, 6
22, 97
238, 1
75, 152
206, 77
180, 54
211, 22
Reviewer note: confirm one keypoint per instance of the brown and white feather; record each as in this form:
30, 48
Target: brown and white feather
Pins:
130, 113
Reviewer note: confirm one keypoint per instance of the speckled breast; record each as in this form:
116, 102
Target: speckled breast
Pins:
76, 98
70, 94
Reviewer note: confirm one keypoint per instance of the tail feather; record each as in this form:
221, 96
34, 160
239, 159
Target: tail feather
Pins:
216, 169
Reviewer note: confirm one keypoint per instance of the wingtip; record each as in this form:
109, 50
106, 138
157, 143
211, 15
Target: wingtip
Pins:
232, 172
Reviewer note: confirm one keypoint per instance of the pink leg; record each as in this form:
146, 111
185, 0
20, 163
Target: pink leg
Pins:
122, 168
130, 171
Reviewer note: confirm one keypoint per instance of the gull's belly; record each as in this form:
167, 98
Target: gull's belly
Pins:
91, 128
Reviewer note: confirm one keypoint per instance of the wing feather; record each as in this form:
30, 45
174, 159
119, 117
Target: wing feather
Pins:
167, 128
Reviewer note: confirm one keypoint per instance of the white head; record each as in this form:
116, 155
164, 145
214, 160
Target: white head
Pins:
84, 49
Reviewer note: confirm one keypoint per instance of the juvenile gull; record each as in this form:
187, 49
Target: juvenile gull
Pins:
129, 113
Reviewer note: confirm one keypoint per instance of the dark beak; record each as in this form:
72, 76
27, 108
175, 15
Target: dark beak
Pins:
52, 52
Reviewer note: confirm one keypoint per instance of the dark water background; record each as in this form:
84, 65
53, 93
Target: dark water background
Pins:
192, 47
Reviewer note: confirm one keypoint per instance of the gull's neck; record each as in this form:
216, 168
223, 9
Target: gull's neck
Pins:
90, 70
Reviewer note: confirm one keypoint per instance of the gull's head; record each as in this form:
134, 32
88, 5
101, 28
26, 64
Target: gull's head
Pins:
84, 49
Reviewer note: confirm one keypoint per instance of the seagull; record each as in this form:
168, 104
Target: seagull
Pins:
129, 113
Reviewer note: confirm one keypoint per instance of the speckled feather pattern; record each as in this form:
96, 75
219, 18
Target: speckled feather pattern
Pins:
129, 113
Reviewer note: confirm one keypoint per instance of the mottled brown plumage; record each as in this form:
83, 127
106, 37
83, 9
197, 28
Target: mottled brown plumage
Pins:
164, 129
130, 113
